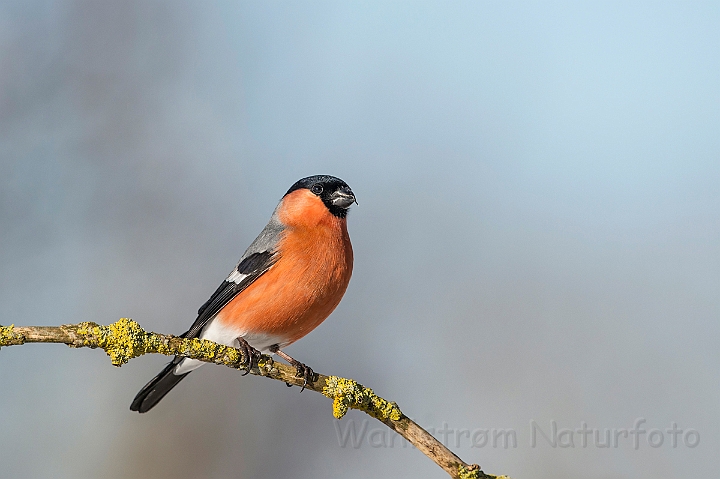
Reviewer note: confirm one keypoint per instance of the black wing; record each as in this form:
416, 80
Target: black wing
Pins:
250, 268
253, 266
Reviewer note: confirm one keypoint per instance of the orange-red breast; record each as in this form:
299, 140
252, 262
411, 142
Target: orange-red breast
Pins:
287, 282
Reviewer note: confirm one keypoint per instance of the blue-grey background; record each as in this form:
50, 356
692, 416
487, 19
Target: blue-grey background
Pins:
537, 234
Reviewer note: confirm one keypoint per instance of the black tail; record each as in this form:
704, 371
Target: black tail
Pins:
157, 388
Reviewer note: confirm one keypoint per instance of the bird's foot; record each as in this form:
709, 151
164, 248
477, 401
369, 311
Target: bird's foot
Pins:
304, 371
301, 370
251, 355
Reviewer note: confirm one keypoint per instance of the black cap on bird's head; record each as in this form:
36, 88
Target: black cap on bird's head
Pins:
333, 192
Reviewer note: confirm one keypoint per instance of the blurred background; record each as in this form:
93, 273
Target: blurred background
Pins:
536, 240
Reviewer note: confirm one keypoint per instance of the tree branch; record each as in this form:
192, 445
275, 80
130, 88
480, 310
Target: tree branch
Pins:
125, 339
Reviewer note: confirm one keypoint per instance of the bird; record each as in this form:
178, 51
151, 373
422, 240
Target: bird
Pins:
288, 281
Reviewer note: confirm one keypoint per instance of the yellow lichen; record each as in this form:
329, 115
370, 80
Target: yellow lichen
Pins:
470, 472
209, 351
347, 394
125, 339
473, 471
121, 340
6, 334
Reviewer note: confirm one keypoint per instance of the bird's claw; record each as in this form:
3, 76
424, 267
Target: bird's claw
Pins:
304, 371
250, 354
301, 370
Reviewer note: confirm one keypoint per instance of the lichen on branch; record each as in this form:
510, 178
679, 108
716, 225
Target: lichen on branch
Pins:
347, 394
7, 336
125, 339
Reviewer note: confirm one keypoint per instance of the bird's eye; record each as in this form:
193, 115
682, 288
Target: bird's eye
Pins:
317, 188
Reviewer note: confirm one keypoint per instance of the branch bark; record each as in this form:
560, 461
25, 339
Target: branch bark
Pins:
125, 339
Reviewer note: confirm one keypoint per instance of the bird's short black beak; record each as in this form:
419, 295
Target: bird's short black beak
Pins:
343, 198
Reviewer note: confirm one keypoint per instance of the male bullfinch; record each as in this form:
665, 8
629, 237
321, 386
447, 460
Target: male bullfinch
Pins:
287, 282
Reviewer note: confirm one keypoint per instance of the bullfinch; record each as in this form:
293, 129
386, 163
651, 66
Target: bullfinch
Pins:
286, 283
